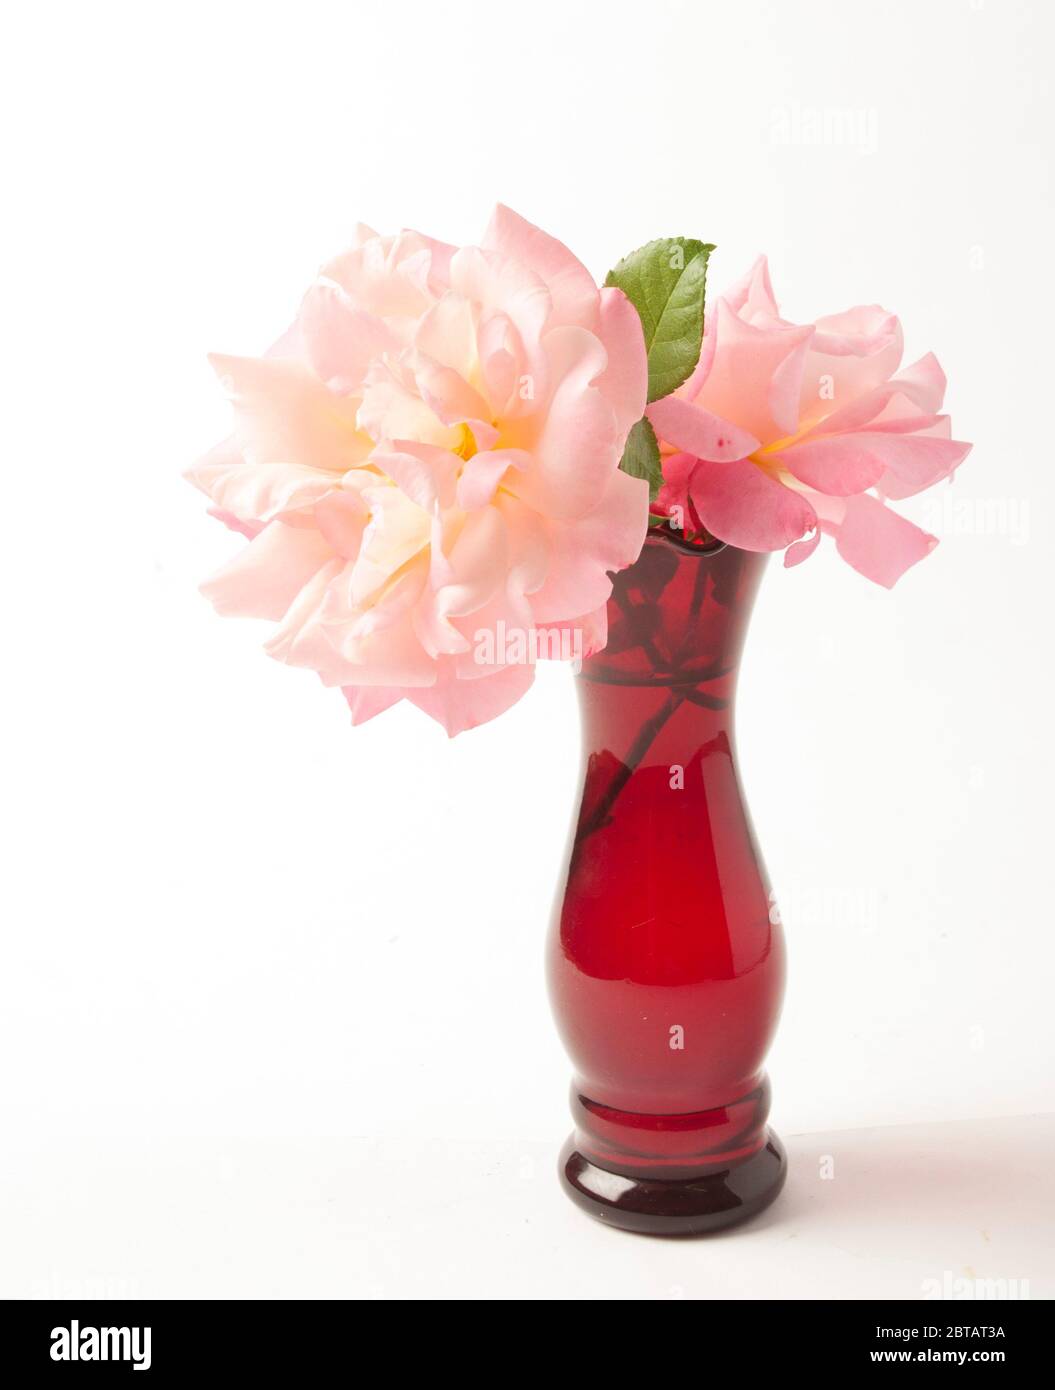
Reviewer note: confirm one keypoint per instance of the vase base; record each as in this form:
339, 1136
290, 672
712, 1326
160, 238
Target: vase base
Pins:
694, 1206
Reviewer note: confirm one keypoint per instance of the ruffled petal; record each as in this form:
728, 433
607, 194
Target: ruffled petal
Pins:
752, 297
341, 517
367, 701
268, 574
399, 530
503, 365
850, 354
915, 461
285, 415
756, 375
447, 335
573, 440
451, 398
345, 647
425, 473
838, 464
892, 457
624, 381
497, 285
340, 340
393, 408
571, 287
583, 553
589, 630
476, 572
256, 494
396, 278
484, 472
460, 705
924, 382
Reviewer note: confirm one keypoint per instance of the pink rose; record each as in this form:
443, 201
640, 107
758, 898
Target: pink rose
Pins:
784, 430
428, 463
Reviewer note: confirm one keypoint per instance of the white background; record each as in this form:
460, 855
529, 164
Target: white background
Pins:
251, 954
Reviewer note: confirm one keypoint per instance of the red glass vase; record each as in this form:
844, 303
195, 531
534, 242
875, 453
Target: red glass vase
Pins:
666, 958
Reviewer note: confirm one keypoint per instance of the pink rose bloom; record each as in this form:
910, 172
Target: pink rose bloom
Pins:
427, 466
784, 430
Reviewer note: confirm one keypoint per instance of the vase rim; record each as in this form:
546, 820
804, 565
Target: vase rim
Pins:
684, 547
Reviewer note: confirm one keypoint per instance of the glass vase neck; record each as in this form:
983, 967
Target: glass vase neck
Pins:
678, 616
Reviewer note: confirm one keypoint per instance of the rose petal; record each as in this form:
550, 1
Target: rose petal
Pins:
839, 464
699, 432
740, 504
801, 550
462, 705
249, 529
365, 701
878, 543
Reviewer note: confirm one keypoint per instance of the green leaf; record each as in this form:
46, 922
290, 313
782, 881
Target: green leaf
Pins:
641, 457
666, 281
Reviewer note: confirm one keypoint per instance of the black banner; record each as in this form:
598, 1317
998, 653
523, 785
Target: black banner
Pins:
166, 1342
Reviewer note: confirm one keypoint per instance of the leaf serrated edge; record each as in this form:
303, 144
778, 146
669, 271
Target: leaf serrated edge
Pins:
667, 382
